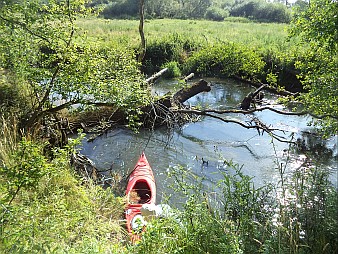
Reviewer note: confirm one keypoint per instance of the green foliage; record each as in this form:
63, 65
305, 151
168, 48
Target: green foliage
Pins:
173, 70
317, 27
306, 213
13, 95
317, 24
53, 212
278, 13
225, 60
280, 70
196, 228
121, 9
295, 215
28, 168
250, 208
197, 9
41, 44
262, 11
216, 14
172, 48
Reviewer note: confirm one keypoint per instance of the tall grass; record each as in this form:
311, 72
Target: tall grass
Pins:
258, 35
9, 138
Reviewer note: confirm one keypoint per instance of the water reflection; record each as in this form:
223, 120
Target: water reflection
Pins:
212, 140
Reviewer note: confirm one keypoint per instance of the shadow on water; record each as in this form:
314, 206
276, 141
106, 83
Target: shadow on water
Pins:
210, 140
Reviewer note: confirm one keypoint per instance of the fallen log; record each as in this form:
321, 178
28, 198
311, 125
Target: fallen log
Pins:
246, 103
107, 116
159, 112
191, 75
186, 93
154, 77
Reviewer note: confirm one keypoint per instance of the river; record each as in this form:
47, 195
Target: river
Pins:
213, 141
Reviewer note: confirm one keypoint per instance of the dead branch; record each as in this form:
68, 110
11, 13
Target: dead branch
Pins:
246, 103
255, 123
251, 111
267, 87
154, 77
191, 75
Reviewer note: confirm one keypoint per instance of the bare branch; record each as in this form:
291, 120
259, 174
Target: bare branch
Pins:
251, 111
255, 123
154, 77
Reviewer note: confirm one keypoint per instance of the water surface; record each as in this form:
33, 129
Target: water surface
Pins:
203, 146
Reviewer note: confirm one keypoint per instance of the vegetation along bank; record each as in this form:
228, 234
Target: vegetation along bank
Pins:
62, 68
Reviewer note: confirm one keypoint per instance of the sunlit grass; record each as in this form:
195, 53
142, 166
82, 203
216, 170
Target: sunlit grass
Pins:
257, 35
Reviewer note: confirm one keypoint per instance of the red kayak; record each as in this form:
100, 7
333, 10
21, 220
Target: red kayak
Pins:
141, 189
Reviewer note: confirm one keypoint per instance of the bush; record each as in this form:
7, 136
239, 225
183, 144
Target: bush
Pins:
45, 209
195, 228
295, 215
278, 13
124, 9
13, 97
216, 14
173, 48
173, 70
225, 60
262, 11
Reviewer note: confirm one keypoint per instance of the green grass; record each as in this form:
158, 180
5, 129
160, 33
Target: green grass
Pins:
46, 208
258, 35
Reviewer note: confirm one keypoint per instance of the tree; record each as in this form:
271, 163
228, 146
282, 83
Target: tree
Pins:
317, 27
40, 42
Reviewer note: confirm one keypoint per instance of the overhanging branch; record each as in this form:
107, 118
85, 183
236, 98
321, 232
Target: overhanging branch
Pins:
251, 111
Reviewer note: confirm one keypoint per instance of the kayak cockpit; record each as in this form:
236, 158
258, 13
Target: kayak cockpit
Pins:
140, 193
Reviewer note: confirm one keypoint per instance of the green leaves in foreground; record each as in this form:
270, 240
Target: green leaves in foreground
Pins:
44, 208
41, 45
317, 27
27, 168
297, 214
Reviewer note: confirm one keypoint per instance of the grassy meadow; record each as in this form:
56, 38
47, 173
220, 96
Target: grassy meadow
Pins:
258, 35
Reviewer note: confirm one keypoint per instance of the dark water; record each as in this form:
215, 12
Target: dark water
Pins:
214, 141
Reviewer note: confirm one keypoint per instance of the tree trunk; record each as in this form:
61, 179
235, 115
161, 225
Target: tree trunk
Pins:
141, 25
152, 115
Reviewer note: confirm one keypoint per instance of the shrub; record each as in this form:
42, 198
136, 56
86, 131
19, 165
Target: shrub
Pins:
173, 70
216, 14
295, 215
195, 228
45, 209
225, 60
13, 97
262, 11
273, 13
171, 48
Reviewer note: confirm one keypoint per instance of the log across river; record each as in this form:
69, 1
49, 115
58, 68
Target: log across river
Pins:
203, 146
